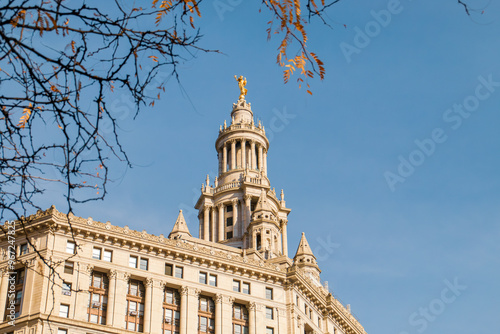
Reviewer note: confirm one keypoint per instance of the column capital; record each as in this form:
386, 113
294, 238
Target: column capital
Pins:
252, 306
89, 268
220, 205
247, 197
184, 290
112, 274
235, 201
149, 282
195, 292
218, 298
126, 277
230, 300
207, 207
162, 284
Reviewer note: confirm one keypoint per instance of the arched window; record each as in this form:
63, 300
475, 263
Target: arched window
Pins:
171, 312
206, 315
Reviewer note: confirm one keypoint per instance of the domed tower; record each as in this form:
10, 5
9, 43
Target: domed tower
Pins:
228, 208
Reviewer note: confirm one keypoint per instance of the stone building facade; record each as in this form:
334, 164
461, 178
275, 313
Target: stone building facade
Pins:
236, 277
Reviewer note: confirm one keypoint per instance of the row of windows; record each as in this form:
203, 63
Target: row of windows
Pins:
170, 270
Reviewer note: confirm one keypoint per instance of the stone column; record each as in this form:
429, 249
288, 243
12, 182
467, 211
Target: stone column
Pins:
260, 319
192, 309
243, 154
200, 227
233, 154
261, 165
227, 315
121, 300
252, 155
111, 297
264, 161
221, 221
206, 217
236, 221
218, 313
219, 158
82, 296
247, 213
212, 232
284, 236
148, 285
157, 307
224, 158
4, 287
251, 318
184, 317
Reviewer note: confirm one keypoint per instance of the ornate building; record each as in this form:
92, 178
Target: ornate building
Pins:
236, 277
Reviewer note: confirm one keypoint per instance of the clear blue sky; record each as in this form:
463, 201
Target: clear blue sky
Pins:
390, 249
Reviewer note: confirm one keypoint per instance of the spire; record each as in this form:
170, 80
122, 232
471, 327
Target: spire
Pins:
304, 248
180, 228
305, 259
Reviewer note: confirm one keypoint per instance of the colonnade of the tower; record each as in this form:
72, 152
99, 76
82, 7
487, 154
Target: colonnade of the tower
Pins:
242, 153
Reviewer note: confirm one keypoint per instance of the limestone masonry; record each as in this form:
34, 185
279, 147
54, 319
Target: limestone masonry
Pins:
236, 277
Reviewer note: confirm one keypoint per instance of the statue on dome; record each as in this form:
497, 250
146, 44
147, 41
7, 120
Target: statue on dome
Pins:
242, 82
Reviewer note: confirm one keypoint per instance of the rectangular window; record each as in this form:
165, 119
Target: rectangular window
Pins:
229, 208
107, 255
229, 235
246, 288
212, 280
269, 330
229, 221
179, 272
144, 264
64, 311
66, 289
132, 261
68, 267
297, 300
202, 278
269, 293
70, 247
62, 331
269, 313
23, 249
236, 286
168, 269
96, 253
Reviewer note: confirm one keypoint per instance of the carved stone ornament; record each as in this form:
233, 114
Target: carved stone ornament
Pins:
126, 277
252, 306
112, 274
89, 268
149, 282
184, 290
218, 298
230, 300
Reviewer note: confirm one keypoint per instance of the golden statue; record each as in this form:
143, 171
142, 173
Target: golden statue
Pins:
242, 82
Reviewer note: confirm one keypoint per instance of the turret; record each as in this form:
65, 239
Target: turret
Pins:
305, 259
227, 207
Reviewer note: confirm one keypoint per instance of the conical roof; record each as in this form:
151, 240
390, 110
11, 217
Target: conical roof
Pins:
304, 248
180, 226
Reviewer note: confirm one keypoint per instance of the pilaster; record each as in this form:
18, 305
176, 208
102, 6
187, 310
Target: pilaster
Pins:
120, 307
82, 295
4, 286
227, 315
192, 310
110, 314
